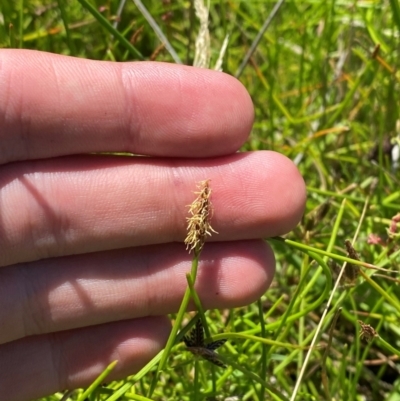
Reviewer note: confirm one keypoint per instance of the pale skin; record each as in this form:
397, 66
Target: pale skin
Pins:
91, 256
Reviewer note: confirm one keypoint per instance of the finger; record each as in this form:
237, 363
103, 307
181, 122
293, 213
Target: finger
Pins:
79, 205
52, 105
83, 290
41, 365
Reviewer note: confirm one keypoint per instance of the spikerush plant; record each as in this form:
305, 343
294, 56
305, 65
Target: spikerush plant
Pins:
198, 228
325, 95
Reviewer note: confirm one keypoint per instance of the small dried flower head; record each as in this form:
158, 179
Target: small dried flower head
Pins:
352, 271
367, 332
199, 222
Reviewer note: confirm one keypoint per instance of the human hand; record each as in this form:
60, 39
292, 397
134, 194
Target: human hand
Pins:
91, 245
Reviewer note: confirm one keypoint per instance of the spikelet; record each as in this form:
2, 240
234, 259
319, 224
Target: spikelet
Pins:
367, 332
199, 222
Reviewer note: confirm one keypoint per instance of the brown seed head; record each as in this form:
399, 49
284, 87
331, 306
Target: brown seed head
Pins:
199, 222
367, 332
352, 271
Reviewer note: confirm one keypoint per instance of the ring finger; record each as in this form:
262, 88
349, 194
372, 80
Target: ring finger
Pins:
83, 290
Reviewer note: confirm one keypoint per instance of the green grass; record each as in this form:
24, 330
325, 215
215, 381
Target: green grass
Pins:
323, 97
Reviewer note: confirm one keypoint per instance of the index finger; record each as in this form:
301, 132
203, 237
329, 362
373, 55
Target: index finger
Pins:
52, 105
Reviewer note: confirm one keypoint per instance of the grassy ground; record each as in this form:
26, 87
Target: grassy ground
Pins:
325, 85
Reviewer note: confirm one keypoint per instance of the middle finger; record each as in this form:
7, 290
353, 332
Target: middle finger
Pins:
86, 204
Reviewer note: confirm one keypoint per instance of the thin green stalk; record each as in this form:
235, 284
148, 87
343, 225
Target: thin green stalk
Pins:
301, 328
394, 4
64, 17
259, 36
178, 320
198, 304
106, 24
138, 376
263, 348
196, 391
388, 347
179, 316
356, 350
331, 244
303, 247
137, 397
324, 374
381, 291
246, 336
98, 381
360, 366
21, 24
335, 194
157, 31
11, 35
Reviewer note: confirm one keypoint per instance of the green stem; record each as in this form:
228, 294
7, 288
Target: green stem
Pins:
106, 24
303, 247
97, 382
198, 304
263, 349
178, 320
196, 381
